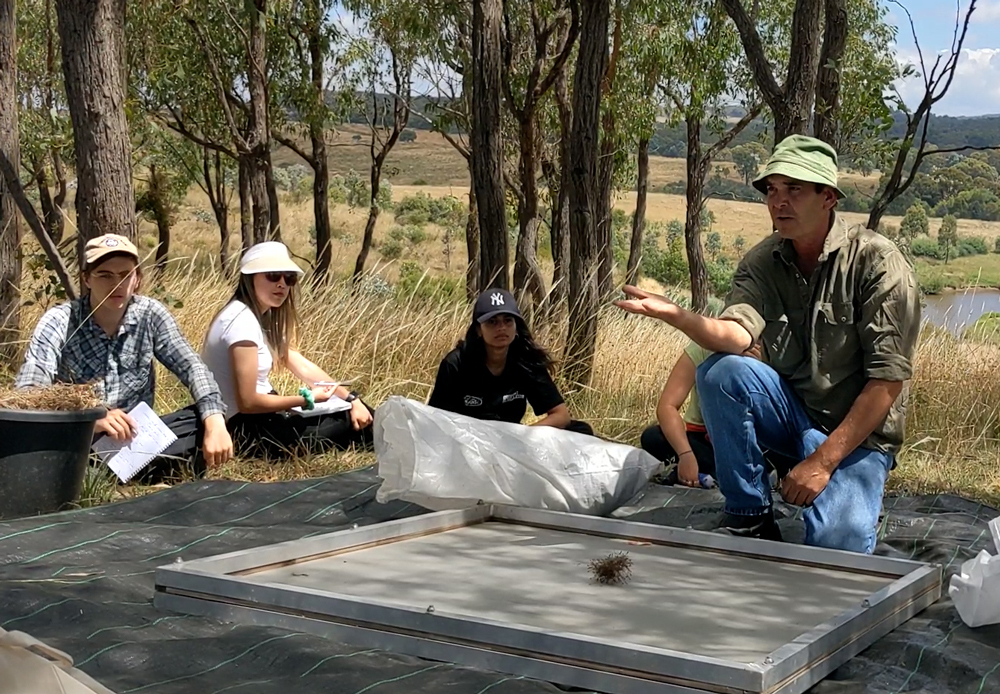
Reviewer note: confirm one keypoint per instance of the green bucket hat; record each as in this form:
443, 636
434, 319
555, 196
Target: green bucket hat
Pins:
803, 159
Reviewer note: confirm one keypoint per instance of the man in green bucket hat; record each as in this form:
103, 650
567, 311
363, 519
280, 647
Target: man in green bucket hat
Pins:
837, 311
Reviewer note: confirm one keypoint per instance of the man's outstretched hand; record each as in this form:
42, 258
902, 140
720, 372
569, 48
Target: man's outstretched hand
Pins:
646, 303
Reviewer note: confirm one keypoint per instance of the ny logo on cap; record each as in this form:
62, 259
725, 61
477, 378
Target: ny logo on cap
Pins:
497, 299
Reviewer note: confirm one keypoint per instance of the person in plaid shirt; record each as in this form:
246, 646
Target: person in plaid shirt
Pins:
111, 336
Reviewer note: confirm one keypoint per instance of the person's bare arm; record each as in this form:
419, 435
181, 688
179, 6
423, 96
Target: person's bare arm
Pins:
309, 373
668, 415
243, 356
810, 477
558, 417
714, 334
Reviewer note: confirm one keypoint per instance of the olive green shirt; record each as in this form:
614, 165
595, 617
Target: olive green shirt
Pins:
857, 318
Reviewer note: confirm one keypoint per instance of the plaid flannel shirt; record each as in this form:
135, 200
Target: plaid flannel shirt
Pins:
69, 347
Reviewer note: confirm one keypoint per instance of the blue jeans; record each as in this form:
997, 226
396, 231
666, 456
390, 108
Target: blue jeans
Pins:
746, 405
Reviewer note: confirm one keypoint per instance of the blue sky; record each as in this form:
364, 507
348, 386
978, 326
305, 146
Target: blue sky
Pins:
976, 89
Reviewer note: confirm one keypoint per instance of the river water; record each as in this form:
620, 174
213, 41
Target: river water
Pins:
957, 310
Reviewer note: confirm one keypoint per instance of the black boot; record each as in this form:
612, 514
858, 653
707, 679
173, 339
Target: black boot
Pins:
761, 527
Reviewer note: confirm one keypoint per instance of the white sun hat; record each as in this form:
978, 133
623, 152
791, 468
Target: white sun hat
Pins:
269, 256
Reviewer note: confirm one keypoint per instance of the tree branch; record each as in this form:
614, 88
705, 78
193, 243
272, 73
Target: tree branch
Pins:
31, 217
177, 125
238, 139
754, 48
731, 134
290, 144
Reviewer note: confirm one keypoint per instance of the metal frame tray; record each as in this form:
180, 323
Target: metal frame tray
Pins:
224, 587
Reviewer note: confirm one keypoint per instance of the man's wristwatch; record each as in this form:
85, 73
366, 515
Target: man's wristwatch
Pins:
351, 397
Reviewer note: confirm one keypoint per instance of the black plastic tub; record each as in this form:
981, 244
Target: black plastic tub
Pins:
43, 459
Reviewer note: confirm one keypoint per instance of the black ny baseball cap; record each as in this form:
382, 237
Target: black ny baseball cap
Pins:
493, 302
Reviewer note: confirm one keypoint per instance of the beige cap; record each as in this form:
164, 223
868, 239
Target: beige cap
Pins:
269, 256
102, 246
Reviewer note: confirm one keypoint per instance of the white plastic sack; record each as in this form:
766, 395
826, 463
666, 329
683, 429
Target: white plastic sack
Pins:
975, 590
28, 666
442, 460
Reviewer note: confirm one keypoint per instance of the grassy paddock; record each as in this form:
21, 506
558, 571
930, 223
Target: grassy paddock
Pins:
394, 346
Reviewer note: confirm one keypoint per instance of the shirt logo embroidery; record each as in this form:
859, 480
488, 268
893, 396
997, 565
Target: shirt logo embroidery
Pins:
511, 397
497, 299
473, 401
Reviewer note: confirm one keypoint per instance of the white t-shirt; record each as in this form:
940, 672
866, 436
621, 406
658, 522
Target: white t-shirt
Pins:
235, 323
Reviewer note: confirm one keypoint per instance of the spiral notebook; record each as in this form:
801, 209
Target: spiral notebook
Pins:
127, 458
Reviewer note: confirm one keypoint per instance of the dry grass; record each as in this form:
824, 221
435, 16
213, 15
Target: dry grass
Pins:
58, 397
953, 427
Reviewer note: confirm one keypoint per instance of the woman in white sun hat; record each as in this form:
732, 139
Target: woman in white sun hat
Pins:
252, 333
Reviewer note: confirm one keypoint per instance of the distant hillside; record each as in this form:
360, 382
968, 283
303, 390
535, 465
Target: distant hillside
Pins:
944, 131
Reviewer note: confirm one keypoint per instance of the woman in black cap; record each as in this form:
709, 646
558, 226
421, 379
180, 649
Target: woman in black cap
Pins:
498, 369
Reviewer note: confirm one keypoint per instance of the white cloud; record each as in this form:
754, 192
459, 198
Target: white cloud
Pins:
987, 12
975, 90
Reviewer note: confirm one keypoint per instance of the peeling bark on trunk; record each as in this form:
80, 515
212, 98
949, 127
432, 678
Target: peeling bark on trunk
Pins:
274, 207
246, 204
10, 229
791, 103
560, 234
487, 146
215, 187
592, 60
527, 272
696, 172
261, 181
472, 246
639, 217
605, 247
828, 79
92, 35
366, 242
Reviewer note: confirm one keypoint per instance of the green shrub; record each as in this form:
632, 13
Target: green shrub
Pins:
415, 283
391, 249
720, 276
926, 247
977, 243
932, 284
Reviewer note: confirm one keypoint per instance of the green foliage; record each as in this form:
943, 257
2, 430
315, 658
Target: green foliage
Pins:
295, 180
985, 329
408, 136
932, 284
416, 283
926, 247
668, 265
739, 246
748, 159
720, 275
422, 208
996, 245
948, 236
713, 245
391, 249
914, 222
976, 243
353, 190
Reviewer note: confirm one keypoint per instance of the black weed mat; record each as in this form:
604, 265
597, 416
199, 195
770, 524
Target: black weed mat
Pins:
83, 582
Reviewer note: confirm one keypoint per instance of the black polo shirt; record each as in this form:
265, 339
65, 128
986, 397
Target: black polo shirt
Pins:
467, 387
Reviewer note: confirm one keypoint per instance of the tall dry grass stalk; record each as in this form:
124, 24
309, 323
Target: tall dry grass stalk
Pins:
394, 347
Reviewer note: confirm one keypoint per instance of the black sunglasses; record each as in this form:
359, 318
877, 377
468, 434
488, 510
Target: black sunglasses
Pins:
290, 277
